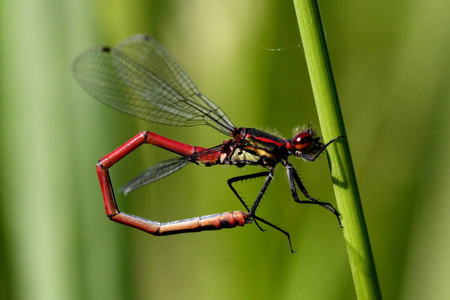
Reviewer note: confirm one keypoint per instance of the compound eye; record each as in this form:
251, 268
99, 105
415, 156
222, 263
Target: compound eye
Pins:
303, 142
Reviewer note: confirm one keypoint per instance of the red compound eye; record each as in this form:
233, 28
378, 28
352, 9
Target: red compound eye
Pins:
303, 141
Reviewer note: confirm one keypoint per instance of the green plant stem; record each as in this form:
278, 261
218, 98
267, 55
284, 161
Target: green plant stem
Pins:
332, 125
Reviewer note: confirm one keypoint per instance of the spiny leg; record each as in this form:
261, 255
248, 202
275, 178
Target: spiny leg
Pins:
276, 228
295, 179
261, 192
258, 200
242, 178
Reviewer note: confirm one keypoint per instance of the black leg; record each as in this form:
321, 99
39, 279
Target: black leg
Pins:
261, 193
295, 179
258, 200
242, 178
276, 228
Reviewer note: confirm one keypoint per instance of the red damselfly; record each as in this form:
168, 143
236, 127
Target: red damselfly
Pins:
139, 77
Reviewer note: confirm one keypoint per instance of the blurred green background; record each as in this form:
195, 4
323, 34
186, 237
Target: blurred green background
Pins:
390, 61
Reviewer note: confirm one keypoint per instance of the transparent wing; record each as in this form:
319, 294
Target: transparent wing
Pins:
168, 167
139, 77
155, 173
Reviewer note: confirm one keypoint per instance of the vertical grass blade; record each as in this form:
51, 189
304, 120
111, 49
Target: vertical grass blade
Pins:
332, 125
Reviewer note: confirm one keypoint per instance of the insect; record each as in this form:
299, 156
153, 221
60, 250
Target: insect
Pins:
139, 77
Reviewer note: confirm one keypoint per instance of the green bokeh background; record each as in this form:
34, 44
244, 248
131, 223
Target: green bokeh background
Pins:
390, 61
